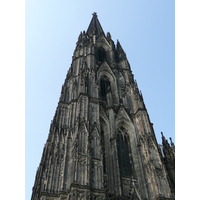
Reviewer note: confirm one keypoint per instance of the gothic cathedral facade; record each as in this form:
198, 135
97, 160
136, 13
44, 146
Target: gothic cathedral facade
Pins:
101, 143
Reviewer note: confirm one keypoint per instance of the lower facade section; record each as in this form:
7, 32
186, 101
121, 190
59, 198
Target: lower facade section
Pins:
79, 192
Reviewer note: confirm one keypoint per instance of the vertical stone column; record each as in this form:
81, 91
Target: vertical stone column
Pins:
117, 179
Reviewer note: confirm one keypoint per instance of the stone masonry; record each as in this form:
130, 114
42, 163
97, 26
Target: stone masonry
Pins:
101, 143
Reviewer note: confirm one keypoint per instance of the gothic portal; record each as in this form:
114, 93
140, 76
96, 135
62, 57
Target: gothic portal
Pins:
101, 143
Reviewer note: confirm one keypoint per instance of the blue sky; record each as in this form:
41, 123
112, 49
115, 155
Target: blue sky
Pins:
146, 31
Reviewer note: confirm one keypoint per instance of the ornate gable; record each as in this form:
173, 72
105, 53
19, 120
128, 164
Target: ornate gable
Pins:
122, 115
95, 132
104, 69
83, 128
102, 41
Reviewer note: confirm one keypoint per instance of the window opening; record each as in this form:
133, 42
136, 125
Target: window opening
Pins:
123, 154
101, 54
104, 87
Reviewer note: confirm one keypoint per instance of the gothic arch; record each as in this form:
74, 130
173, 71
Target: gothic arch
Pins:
104, 70
102, 42
124, 152
123, 117
123, 120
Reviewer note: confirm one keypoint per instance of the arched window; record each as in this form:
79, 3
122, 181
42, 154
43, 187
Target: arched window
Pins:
104, 87
101, 54
123, 153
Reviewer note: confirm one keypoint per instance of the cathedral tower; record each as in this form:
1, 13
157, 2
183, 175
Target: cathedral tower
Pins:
101, 143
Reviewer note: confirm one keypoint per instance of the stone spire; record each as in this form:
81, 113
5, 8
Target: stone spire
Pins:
92, 150
95, 26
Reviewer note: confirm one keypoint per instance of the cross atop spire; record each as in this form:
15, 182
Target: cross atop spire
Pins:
95, 26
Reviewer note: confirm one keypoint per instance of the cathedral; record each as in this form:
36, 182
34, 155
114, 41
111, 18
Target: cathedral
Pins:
101, 143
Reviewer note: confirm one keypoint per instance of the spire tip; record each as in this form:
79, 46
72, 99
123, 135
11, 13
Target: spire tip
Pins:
94, 14
162, 134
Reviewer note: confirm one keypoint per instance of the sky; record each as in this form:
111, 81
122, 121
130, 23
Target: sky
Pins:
146, 32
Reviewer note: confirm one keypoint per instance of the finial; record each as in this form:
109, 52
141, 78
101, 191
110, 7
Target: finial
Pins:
162, 134
94, 14
171, 141
108, 36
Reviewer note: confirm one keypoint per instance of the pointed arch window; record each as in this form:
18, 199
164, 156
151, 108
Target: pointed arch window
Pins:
104, 87
101, 54
124, 153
